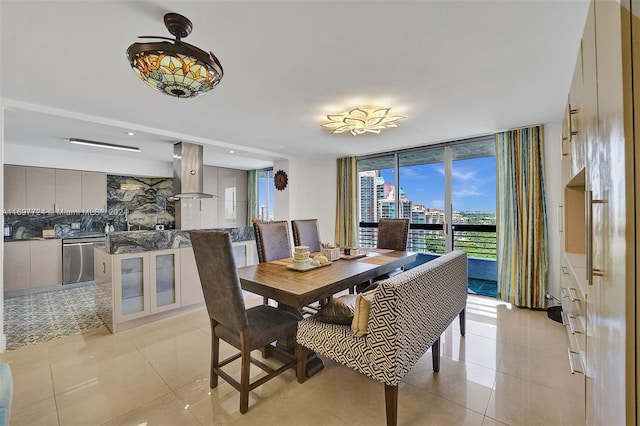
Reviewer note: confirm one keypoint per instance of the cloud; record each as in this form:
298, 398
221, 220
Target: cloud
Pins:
411, 173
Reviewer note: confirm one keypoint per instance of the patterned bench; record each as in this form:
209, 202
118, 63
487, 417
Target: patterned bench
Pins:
408, 314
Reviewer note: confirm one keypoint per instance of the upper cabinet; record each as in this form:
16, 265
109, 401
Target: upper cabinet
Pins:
68, 191
94, 191
15, 188
45, 190
41, 190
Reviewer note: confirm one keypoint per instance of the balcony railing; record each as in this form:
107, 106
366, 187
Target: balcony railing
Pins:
478, 241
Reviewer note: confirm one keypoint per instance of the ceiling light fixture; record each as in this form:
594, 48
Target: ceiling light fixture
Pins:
104, 145
130, 133
362, 119
177, 69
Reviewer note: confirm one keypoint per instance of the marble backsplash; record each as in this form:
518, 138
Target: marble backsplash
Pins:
133, 203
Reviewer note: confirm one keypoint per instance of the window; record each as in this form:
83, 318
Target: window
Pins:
265, 194
448, 191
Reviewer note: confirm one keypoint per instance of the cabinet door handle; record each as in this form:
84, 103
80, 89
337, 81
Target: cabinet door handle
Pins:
591, 271
573, 294
104, 268
571, 366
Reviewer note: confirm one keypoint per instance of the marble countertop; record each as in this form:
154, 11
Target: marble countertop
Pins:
139, 241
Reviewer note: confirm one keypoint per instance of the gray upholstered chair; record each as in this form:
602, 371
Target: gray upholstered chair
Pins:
272, 240
393, 234
306, 232
244, 329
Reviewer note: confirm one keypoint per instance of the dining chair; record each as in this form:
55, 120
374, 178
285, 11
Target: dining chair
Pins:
272, 240
244, 329
393, 234
306, 232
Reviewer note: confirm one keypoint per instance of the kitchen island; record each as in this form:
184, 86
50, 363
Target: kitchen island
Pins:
144, 276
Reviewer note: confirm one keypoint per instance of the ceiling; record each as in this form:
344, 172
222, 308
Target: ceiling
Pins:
454, 69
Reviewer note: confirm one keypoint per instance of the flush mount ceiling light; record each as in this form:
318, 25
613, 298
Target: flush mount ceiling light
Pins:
176, 69
362, 119
104, 145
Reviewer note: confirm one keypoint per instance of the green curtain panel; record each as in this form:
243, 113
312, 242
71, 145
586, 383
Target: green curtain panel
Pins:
252, 196
347, 203
522, 225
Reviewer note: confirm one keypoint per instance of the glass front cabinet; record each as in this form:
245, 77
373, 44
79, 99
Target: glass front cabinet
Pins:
149, 283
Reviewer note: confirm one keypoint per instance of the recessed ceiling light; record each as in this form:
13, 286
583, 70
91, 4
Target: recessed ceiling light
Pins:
130, 133
231, 152
104, 145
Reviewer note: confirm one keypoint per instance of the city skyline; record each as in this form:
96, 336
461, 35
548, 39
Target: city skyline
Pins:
473, 184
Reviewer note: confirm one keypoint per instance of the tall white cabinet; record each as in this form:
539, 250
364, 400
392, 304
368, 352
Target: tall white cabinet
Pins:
598, 260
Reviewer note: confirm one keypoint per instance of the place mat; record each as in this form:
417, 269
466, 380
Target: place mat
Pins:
378, 260
309, 268
353, 256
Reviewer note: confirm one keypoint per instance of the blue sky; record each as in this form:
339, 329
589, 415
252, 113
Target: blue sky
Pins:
473, 183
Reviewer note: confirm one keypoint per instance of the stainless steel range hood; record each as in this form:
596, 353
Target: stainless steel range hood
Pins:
187, 171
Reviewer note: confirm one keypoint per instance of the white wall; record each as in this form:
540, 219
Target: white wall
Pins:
126, 166
553, 190
312, 186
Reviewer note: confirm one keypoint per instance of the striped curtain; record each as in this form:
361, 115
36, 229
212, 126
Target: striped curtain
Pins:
522, 224
252, 196
347, 203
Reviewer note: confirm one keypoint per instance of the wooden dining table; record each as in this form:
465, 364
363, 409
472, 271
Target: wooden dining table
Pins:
295, 289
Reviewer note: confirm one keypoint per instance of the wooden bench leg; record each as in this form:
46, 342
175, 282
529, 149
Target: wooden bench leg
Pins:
462, 321
391, 404
435, 355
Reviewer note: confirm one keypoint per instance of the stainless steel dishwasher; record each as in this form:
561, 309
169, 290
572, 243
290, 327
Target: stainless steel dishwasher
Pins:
77, 258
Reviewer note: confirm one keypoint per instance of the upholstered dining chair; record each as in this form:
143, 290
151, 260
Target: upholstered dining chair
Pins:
272, 240
393, 235
244, 329
306, 232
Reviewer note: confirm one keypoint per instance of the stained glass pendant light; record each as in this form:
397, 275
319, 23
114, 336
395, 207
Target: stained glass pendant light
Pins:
174, 67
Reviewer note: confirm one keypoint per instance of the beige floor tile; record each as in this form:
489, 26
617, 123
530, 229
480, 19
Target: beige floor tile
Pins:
167, 410
472, 348
177, 358
550, 339
488, 421
510, 369
41, 413
31, 386
466, 384
547, 369
521, 402
99, 391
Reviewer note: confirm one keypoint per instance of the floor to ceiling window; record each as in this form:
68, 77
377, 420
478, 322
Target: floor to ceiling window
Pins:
265, 195
448, 191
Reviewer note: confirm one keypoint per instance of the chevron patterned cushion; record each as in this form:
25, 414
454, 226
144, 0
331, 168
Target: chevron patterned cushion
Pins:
408, 314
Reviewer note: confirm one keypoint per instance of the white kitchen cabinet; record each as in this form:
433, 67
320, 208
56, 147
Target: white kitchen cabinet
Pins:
131, 286
68, 191
15, 188
32, 264
94, 191
232, 190
190, 290
17, 266
209, 206
41, 189
46, 263
145, 283
164, 269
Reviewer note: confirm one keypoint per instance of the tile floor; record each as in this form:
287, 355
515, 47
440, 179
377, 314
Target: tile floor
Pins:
511, 368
